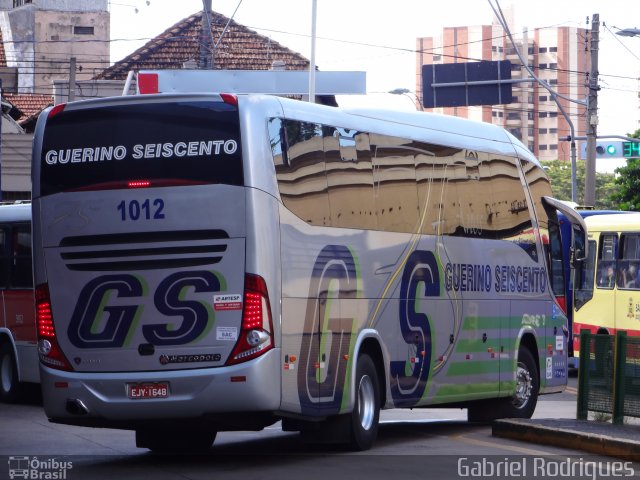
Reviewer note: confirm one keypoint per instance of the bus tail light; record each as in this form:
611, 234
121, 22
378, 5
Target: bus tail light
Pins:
562, 301
256, 333
48, 349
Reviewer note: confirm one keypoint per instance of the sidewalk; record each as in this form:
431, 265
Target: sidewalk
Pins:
596, 437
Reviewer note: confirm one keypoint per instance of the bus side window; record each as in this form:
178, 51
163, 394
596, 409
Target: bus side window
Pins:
300, 169
584, 278
607, 256
628, 277
4, 259
21, 257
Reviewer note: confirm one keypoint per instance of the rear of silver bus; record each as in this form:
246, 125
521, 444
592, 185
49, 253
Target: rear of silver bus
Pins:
147, 318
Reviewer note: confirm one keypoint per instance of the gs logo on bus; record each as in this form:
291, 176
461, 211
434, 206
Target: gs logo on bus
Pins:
100, 322
327, 338
420, 278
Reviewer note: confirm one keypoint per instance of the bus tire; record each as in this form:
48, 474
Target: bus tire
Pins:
524, 400
522, 403
175, 442
366, 410
10, 387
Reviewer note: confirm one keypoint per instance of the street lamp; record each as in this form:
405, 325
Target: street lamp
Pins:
629, 32
406, 92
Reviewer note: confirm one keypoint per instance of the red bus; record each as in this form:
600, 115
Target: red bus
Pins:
18, 354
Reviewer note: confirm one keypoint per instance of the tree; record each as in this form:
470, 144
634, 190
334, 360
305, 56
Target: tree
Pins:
559, 173
627, 195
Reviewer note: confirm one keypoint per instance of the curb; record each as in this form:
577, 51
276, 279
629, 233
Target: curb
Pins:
590, 442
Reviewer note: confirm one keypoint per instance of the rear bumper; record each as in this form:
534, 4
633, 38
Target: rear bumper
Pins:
194, 394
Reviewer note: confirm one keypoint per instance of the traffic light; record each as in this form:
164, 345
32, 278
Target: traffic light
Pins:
607, 149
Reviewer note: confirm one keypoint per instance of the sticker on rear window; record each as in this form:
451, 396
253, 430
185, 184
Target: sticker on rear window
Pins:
232, 301
227, 333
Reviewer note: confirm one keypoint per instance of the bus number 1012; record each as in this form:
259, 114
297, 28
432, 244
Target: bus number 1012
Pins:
147, 210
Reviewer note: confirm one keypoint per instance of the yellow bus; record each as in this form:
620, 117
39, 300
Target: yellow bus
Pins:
607, 284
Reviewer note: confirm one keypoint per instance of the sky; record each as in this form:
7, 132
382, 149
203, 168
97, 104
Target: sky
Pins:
379, 37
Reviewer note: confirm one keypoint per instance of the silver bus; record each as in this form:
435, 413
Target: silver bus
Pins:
214, 262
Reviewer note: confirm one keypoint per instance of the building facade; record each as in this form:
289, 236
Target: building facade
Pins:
557, 55
41, 36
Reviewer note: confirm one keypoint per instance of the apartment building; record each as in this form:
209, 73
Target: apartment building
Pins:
557, 55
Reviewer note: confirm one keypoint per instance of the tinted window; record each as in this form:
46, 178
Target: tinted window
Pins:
21, 276
298, 154
607, 255
183, 142
629, 263
395, 189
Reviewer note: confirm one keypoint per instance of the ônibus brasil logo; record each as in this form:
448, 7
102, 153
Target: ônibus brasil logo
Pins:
38, 469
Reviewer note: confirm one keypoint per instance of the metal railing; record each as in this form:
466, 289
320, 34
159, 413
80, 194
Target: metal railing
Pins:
609, 375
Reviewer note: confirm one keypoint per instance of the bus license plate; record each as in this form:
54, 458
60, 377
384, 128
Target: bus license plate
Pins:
148, 390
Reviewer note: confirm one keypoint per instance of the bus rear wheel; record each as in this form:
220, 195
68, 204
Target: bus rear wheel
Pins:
522, 403
9, 383
365, 417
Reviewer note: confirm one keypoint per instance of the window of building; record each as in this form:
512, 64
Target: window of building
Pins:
553, 114
553, 147
530, 115
553, 130
543, 147
78, 30
553, 81
530, 132
542, 66
543, 98
542, 131
553, 49
554, 66
437, 58
542, 114
513, 116
542, 50
515, 67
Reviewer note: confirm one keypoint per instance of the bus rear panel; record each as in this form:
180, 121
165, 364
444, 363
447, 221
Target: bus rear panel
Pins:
142, 290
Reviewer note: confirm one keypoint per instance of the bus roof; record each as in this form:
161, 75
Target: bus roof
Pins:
15, 212
613, 222
447, 129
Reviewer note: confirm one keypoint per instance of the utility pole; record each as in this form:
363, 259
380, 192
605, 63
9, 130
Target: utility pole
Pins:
312, 60
592, 116
206, 45
72, 79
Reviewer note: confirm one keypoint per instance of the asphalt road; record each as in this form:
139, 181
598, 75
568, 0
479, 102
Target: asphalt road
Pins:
429, 443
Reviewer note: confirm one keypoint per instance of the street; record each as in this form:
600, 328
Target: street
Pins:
433, 441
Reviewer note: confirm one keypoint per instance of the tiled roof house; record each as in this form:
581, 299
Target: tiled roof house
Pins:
240, 49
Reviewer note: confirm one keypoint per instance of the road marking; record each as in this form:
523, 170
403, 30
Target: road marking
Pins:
513, 448
571, 390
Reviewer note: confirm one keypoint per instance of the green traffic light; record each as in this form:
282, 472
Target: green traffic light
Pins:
611, 149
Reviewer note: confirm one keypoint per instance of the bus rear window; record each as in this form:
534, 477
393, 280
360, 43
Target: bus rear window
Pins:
163, 143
